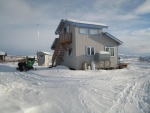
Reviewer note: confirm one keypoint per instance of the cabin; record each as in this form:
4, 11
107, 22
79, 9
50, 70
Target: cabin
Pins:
3, 56
43, 58
79, 41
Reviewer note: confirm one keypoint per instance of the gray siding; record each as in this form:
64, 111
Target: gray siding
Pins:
97, 41
111, 43
79, 43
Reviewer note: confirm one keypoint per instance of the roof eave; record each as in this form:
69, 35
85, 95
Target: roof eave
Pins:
54, 44
61, 24
84, 24
90, 26
64, 22
114, 38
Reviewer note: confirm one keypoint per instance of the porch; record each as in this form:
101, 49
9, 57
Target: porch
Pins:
60, 45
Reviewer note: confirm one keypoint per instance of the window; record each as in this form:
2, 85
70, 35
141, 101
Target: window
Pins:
94, 31
90, 51
88, 31
83, 30
110, 50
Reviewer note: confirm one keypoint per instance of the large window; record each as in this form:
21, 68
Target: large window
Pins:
83, 30
90, 51
88, 31
111, 50
93, 31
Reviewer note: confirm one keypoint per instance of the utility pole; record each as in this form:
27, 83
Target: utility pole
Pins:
38, 34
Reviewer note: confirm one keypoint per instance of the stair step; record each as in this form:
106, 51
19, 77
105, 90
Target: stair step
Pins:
59, 51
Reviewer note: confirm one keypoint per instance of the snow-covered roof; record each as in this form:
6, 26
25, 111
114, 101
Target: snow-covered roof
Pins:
2, 53
114, 38
86, 22
46, 53
103, 52
79, 23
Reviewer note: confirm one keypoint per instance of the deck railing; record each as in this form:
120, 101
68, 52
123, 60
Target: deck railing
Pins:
64, 38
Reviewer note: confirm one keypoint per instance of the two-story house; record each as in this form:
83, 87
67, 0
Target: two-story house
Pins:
79, 41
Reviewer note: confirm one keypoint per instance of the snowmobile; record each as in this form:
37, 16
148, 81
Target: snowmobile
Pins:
26, 64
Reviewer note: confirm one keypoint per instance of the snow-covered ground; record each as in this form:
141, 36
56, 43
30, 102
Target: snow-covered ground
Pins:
60, 90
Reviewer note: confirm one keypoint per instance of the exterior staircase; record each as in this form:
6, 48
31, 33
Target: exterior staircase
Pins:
62, 45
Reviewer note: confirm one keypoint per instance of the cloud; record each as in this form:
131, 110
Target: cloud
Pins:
18, 25
13, 11
19, 19
21, 12
25, 40
136, 42
119, 10
143, 8
142, 33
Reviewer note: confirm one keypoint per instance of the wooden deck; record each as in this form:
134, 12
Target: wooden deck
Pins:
123, 65
62, 45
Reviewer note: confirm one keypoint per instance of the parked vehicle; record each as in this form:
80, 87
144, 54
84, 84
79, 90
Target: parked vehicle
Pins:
26, 64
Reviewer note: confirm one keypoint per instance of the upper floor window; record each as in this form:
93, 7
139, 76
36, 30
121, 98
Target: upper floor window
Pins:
88, 31
83, 30
111, 50
93, 31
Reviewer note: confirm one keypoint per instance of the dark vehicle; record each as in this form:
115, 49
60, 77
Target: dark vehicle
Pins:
26, 65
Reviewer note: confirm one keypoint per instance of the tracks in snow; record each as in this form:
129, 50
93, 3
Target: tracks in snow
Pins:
134, 98
77, 91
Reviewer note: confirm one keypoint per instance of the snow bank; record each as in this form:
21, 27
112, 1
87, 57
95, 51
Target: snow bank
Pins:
60, 90
61, 67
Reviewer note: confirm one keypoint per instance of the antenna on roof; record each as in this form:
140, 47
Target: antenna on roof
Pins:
66, 10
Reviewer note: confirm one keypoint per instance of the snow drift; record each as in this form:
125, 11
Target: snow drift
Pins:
60, 90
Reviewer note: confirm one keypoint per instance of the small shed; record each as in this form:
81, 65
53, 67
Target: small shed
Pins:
2, 56
43, 58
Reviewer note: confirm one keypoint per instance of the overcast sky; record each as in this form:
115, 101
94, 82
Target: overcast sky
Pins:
127, 20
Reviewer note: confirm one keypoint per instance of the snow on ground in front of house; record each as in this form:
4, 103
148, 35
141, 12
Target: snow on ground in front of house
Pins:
60, 90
